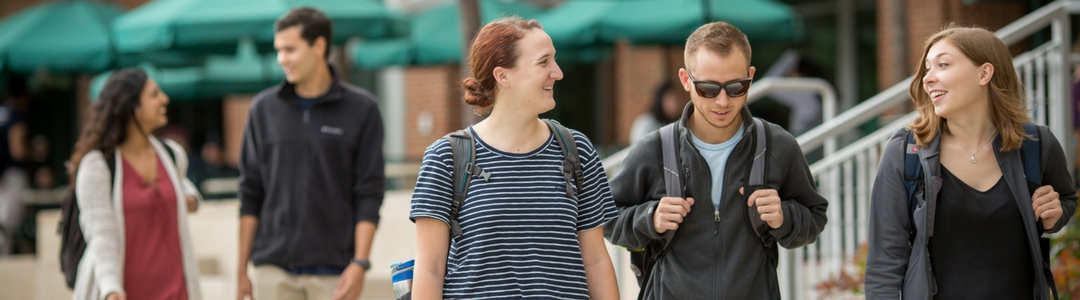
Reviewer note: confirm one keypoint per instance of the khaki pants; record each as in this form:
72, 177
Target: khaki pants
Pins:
273, 283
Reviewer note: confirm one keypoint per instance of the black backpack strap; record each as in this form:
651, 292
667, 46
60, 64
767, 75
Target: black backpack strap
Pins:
571, 167
757, 181
110, 160
913, 181
169, 150
464, 150
1031, 151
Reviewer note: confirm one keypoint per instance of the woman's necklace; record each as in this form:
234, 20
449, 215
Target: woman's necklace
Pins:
980, 147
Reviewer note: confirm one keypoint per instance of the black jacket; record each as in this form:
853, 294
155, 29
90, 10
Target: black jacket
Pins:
311, 176
716, 259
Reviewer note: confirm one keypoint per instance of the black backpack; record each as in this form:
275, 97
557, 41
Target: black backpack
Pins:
1030, 150
643, 261
464, 149
72, 242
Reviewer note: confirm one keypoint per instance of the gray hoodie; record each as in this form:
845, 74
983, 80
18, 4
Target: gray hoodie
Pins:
716, 259
895, 267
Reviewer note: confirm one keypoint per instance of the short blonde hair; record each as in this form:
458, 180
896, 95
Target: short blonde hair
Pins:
717, 37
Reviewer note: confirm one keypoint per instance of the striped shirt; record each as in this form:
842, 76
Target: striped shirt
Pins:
520, 230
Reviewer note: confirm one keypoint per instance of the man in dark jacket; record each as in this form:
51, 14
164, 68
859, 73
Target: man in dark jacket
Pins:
716, 253
311, 174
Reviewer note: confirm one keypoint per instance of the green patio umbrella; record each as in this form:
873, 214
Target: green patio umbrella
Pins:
71, 36
672, 21
435, 36
436, 33
245, 73
212, 25
179, 83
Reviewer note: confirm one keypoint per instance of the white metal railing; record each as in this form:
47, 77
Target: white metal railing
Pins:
845, 177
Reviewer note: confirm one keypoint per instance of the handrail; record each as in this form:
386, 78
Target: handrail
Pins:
1032, 22
855, 116
847, 152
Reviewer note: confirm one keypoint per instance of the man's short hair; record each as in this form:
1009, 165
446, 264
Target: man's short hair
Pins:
717, 37
313, 24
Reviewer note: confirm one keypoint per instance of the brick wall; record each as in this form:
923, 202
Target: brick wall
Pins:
433, 106
923, 18
234, 114
638, 71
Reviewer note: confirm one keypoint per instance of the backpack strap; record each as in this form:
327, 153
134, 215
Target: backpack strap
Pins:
571, 167
757, 170
1031, 151
464, 150
643, 261
913, 181
672, 180
169, 150
757, 181
110, 161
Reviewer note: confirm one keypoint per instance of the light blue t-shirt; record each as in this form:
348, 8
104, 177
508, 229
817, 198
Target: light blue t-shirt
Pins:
716, 155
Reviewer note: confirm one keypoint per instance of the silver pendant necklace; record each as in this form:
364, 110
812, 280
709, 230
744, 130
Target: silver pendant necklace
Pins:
980, 147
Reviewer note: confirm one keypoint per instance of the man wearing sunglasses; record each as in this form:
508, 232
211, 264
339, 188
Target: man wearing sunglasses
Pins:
715, 252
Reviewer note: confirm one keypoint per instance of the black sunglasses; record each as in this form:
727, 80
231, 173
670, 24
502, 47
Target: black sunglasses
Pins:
711, 89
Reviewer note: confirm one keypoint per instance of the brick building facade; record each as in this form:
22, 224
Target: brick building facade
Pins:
923, 18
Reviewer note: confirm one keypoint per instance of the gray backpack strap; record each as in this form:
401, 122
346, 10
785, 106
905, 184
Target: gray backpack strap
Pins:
672, 180
464, 149
571, 167
757, 171
757, 182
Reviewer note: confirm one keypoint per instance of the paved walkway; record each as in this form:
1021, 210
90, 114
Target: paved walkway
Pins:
214, 230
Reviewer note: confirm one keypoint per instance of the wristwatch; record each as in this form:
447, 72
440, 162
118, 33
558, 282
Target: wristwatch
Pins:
363, 263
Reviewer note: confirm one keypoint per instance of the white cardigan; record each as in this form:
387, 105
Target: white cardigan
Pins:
101, 270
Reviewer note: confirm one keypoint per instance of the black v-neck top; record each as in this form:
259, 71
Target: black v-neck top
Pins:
978, 250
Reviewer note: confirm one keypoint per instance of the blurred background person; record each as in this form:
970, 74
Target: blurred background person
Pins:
13, 178
137, 240
666, 108
44, 177
805, 107
210, 164
312, 174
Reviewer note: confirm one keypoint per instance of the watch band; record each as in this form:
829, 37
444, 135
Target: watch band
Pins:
363, 263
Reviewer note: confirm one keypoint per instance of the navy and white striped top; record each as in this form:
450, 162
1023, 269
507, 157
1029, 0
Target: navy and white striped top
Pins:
519, 229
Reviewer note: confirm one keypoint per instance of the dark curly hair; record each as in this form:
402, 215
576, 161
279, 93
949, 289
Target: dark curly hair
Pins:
106, 128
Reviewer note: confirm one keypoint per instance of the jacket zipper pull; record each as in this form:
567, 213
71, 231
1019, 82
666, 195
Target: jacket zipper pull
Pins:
306, 114
716, 227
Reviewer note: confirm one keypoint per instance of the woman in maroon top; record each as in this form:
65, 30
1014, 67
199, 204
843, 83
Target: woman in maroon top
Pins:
146, 216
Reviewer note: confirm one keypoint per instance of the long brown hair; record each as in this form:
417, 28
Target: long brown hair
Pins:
106, 128
1007, 104
495, 46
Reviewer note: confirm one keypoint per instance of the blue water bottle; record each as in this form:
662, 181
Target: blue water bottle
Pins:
401, 275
